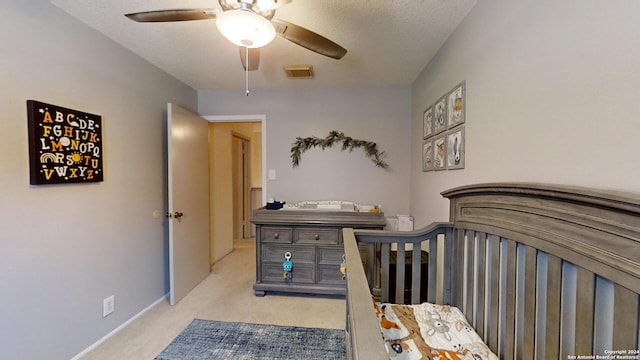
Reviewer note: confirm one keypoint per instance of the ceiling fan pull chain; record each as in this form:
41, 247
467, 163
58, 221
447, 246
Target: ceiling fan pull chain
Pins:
246, 70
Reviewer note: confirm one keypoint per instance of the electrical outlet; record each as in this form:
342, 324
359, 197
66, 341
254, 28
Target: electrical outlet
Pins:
108, 305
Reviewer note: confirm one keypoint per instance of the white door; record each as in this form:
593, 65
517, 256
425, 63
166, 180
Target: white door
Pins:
188, 189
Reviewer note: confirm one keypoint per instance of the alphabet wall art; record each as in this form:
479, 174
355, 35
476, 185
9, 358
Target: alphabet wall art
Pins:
65, 146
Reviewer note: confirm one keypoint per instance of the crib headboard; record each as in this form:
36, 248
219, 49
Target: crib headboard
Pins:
540, 271
554, 270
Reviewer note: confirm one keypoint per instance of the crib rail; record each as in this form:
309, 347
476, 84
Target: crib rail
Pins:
540, 272
377, 246
364, 341
363, 332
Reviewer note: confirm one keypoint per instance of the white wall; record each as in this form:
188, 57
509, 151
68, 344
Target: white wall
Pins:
64, 248
552, 96
379, 114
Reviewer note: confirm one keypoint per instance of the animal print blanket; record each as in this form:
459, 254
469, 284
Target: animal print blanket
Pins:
429, 331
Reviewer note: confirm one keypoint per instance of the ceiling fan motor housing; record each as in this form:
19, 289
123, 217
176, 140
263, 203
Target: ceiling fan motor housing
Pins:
265, 8
244, 27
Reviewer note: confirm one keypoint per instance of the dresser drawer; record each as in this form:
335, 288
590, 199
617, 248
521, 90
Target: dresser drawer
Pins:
275, 234
317, 236
330, 275
299, 254
301, 274
330, 255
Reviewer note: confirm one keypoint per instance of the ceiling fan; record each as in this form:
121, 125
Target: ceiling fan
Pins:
250, 25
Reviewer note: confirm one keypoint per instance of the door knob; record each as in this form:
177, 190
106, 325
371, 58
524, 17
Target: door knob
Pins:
178, 215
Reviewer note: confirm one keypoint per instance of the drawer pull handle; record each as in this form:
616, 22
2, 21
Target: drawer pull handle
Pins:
276, 235
316, 236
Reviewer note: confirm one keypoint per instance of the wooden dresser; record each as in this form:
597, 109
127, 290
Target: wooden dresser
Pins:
314, 239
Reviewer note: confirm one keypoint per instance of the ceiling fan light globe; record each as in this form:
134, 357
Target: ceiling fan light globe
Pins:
244, 27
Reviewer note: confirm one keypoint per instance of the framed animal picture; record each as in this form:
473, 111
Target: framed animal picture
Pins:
440, 115
456, 106
427, 155
439, 150
455, 148
427, 123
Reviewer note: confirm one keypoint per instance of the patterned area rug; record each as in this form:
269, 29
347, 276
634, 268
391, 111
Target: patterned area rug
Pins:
204, 339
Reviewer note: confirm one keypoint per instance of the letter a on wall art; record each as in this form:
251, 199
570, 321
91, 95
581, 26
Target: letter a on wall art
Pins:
65, 146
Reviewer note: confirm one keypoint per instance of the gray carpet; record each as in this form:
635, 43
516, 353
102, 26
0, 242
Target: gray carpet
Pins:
204, 339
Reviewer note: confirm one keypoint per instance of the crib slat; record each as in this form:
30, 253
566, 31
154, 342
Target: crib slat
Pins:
482, 254
584, 307
384, 272
470, 265
494, 294
529, 311
432, 273
371, 263
603, 321
416, 273
568, 313
460, 266
552, 328
400, 254
625, 318
510, 299
448, 268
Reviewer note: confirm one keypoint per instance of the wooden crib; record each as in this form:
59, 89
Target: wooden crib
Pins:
540, 271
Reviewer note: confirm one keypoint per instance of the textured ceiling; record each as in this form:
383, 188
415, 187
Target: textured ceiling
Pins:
388, 41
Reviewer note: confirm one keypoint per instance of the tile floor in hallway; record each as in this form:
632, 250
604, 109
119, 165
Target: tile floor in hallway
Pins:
225, 295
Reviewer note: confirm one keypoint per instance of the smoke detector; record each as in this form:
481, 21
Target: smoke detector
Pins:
299, 71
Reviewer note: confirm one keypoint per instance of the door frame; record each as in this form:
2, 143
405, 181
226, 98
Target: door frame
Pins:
249, 118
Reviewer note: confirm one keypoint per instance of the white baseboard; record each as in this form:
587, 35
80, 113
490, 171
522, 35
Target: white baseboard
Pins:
116, 330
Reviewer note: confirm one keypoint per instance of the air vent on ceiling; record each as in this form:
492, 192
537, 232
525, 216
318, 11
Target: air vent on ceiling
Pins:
299, 71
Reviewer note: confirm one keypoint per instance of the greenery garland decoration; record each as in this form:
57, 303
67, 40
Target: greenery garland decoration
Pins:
370, 148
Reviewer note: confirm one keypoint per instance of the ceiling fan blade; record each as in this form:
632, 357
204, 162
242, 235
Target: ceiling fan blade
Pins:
254, 58
308, 39
173, 15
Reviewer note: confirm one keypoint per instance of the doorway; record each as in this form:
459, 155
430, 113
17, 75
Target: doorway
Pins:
228, 221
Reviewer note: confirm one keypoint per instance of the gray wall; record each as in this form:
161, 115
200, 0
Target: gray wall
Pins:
379, 114
64, 248
552, 96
